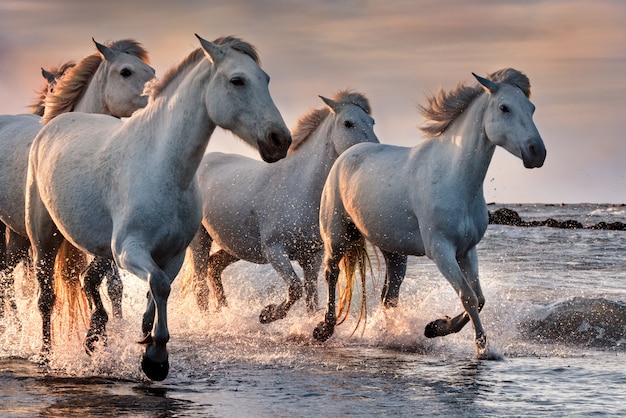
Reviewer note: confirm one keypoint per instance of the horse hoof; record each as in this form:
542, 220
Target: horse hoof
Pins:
323, 331
432, 329
147, 340
92, 339
154, 370
271, 313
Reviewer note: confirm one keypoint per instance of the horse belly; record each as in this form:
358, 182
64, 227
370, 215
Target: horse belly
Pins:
401, 236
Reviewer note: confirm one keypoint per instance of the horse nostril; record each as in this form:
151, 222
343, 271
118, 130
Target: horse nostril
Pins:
278, 139
274, 139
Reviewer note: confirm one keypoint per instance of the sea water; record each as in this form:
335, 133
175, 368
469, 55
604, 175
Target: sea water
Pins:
553, 317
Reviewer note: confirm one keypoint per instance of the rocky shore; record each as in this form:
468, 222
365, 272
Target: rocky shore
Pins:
506, 216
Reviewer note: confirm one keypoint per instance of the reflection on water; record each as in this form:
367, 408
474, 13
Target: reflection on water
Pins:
27, 390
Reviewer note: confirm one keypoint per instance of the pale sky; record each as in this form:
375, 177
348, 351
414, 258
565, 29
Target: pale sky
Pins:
394, 52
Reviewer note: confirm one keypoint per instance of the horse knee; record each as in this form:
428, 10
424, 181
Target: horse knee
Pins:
295, 291
471, 302
481, 302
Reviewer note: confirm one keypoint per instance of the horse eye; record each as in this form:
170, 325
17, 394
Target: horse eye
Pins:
504, 108
237, 81
126, 72
348, 124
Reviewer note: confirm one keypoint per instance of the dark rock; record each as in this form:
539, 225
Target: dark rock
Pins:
505, 216
552, 223
591, 322
612, 226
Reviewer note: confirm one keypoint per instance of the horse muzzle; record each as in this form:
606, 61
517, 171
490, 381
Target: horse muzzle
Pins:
534, 154
274, 146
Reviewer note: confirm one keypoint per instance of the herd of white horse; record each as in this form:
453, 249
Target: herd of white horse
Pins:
84, 192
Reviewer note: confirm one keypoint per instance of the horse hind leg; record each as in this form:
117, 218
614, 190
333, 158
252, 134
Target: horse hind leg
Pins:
93, 277
344, 237
218, 262
325, 329
207, 270
395, 272
115, 288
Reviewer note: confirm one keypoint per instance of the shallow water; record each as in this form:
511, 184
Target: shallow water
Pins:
228, 364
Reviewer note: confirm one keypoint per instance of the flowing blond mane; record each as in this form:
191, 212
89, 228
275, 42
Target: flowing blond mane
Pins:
72, 86
157, 87
444, 107
39, 105
308, 123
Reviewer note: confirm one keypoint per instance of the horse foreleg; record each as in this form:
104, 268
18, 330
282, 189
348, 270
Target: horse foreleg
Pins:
134, 258
282, 265
325, 329
93, 276
311, 269
463, 276
395, 272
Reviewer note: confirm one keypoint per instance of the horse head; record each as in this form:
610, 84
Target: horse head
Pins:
352, 123
124, 71
509, 119
238, 97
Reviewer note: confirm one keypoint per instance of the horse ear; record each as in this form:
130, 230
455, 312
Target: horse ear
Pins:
106, 52
213, 52
487, 84
47, 75
333, 105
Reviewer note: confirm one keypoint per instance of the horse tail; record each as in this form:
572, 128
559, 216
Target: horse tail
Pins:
71, 303
356, 258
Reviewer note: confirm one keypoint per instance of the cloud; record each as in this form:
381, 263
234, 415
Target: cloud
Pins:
393, 52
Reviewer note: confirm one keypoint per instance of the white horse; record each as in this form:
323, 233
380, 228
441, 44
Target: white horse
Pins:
126, 190
7, 290
110, 81
428, 200
269, 213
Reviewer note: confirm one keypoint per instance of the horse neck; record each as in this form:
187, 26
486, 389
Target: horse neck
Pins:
312, 160
180, 128
470, 149
92, 100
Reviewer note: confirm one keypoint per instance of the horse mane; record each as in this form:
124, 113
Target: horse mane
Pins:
155, 88
444, 107
72, 86
39, 105
308, 123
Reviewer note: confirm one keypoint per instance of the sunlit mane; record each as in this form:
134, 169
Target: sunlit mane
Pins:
155, 88
444, 107
71, 87
39, 106
308, 123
